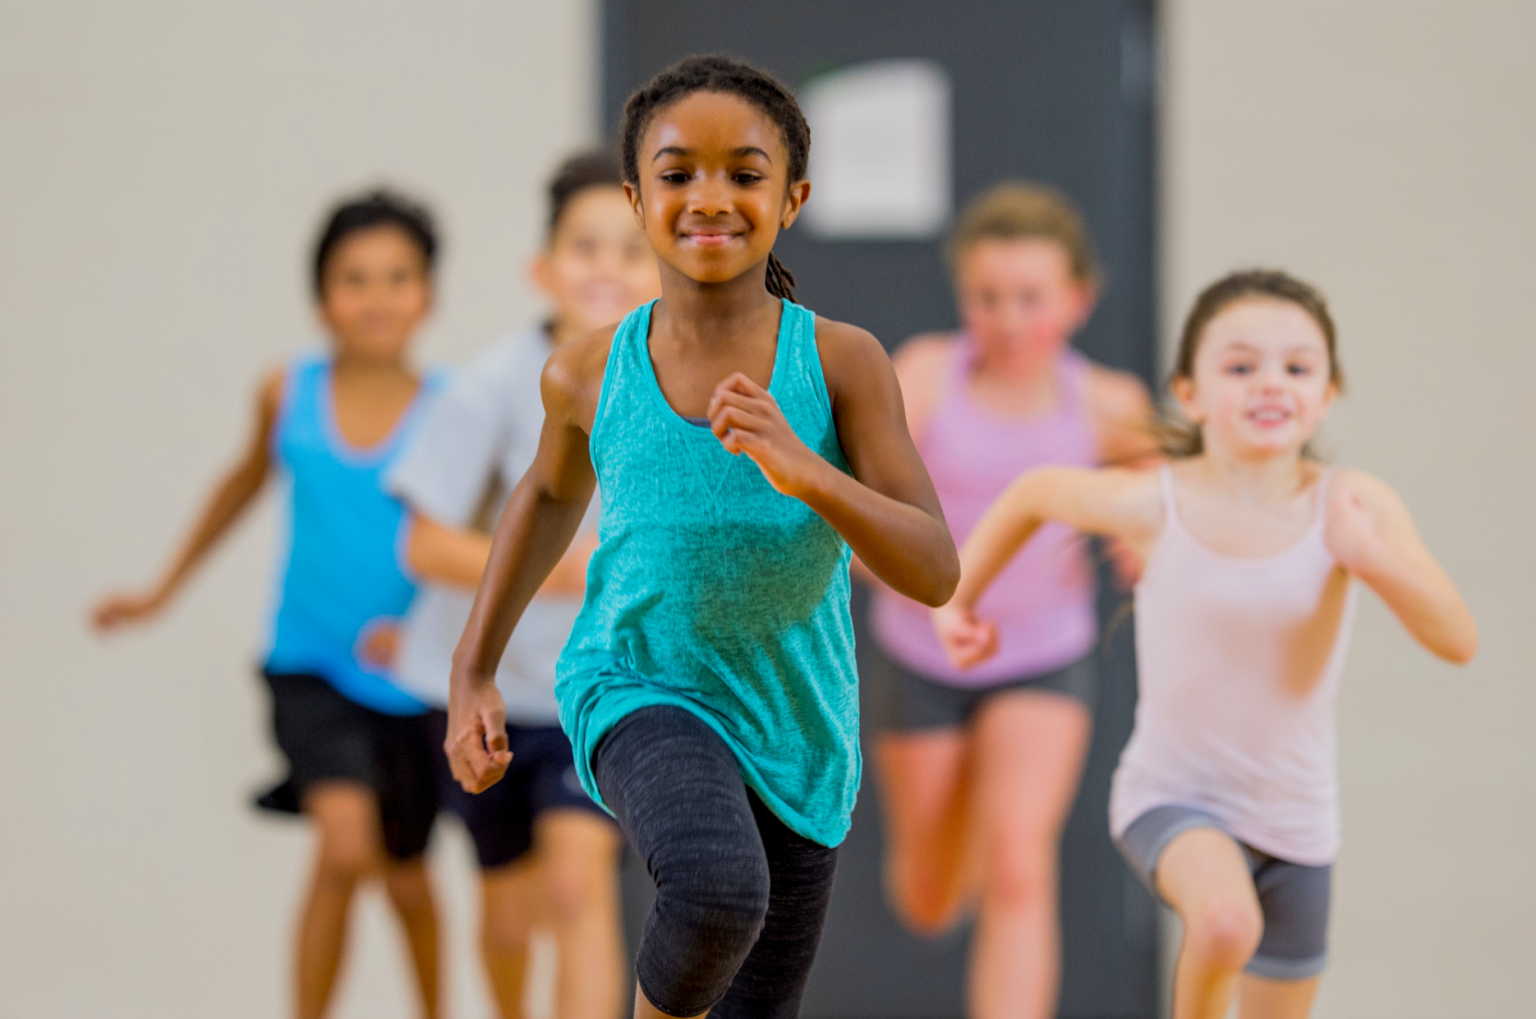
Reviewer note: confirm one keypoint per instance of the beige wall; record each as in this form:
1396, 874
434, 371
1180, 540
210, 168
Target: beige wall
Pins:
1387, 150
162, 169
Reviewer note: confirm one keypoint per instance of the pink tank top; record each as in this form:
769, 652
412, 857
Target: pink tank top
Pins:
1239, 663
1043, 601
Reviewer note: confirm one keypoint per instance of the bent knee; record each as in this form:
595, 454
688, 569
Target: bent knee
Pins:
725, 901
1225, 935
573, 892
347, 860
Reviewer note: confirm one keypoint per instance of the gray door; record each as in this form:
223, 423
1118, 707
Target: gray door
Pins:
1054, 90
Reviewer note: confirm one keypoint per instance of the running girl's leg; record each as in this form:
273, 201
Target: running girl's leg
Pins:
678, 794
924, 794
411, 894
1263, 998
350, 850
1203, 874
772, 981
1029, 748
509, 906
580, 876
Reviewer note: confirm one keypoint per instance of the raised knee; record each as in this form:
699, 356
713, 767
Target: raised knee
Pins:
1224, 935
922, 899
725, 902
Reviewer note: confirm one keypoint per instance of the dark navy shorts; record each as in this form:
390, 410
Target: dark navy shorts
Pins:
542, 778
917, 702
328, 738
1294, 897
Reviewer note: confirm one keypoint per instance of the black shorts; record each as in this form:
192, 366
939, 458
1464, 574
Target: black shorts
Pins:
542, 778
327, 737
917, 703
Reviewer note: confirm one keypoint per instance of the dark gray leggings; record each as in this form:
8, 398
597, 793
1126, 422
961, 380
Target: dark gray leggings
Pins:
740, 898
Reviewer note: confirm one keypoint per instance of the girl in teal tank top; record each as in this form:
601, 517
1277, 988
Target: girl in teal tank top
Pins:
743, 447
711, 591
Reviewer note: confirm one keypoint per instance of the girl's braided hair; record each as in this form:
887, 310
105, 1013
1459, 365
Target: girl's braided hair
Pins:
720, 73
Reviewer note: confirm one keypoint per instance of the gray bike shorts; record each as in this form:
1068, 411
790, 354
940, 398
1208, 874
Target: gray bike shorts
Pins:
1293, 897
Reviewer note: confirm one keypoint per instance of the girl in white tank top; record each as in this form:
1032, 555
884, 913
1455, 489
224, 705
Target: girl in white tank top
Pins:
1226, 797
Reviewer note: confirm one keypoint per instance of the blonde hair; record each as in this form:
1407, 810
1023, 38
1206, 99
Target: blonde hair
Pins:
1021, 210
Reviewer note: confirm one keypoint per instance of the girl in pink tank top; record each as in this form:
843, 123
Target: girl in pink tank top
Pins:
1226, 798
978, 767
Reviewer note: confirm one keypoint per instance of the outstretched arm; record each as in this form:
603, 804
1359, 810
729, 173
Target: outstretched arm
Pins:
541, 517
1371, 533
456, 556
887, 511
1112, 502
230, 496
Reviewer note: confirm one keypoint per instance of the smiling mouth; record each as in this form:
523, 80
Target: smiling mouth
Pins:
1269, 416
710, 239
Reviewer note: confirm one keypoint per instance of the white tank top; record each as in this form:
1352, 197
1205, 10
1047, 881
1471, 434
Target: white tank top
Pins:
1239, 663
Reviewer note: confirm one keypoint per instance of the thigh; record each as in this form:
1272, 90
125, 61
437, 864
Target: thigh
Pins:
772, 980
346, 816
1029, 753
1262, 998
405, 760
1204, 872
1295, 900
922, 779
579, 856
324, 736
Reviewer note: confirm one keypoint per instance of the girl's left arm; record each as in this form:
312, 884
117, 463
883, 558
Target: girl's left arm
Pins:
887, 511
1372, 535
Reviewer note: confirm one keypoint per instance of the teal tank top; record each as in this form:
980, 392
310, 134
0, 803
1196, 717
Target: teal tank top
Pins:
711, 592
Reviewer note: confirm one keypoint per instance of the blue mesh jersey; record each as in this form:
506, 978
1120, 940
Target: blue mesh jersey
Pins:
343, 571
712, 592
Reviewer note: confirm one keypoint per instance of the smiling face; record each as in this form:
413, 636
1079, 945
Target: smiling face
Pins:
598, 266
713, 189
1019, 299
375, 290
1262, 382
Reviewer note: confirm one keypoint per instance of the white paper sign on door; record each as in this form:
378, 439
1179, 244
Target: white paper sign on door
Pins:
881, 151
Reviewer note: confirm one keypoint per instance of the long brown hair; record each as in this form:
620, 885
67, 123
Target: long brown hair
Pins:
1180, 438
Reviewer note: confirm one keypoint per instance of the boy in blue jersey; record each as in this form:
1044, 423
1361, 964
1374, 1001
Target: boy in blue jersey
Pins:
361, 767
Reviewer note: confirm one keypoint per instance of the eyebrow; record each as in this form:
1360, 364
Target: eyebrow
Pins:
1242, 346
678, 150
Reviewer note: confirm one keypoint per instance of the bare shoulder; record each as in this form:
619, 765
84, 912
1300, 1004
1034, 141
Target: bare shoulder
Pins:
923, 353
1116, 395
269, 392
1356, 486
572, 381
851, 357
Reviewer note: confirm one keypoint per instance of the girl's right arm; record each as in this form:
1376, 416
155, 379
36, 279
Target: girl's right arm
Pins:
1111, 502
233, 493
540, 520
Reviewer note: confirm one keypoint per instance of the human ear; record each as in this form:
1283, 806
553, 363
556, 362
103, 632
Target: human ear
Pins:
632, 192
1085, 296
793, 200
539, 271
1184, 393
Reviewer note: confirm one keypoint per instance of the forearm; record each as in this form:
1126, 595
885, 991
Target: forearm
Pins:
1426, 602
447, 555
904, 546
228, 500
534, 532
1005, 527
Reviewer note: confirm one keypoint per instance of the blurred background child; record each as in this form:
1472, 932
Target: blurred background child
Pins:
361, 765
547, 853
978, 768
1226, 798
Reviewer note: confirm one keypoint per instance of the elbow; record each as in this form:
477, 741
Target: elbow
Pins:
941, 582
1462, 648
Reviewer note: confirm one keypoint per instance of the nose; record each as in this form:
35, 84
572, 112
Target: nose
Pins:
709, 196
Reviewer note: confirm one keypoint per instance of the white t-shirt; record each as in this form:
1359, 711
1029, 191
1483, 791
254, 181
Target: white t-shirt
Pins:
482, 434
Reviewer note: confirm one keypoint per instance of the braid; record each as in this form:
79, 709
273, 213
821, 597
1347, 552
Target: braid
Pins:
781, 282
720, 73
